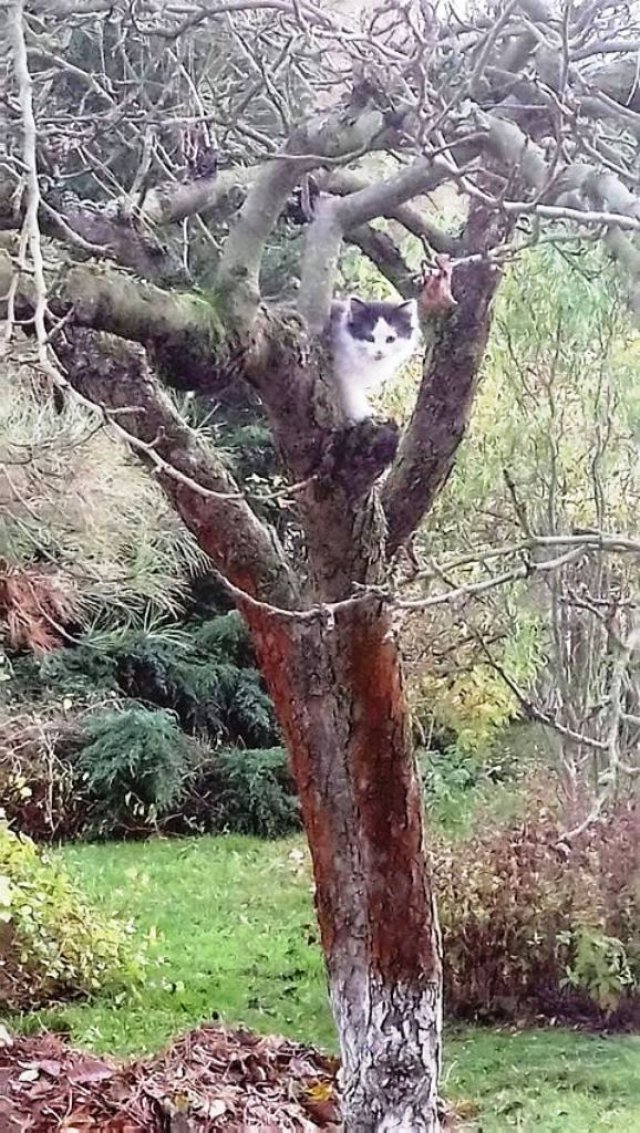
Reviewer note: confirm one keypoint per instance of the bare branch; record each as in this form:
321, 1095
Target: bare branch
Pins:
343, 182
439, 420
334, 218
116, 376
381, 250
180, 330
238, 273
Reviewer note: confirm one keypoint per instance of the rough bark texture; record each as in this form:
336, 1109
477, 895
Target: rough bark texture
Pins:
533, 136
441, 415
340, 699
115, 375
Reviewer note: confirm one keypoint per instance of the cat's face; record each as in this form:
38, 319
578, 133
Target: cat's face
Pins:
381, 330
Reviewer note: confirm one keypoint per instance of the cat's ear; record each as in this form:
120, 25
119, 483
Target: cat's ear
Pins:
356, 304
410, 307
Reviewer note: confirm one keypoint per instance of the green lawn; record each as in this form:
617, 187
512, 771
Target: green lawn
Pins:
232, 935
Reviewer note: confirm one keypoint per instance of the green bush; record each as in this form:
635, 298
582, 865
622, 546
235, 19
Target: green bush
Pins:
532, 926
206, 676
131, 771
449, 785
251, 792
52, 943
203, 671
177, 694
133, 765
139, 770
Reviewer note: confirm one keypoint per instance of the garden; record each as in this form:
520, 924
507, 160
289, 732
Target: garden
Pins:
319, 737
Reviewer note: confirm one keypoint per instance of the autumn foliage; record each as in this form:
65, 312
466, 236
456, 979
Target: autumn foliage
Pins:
34, 608
532, 926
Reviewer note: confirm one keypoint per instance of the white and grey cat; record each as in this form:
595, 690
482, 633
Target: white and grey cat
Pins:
370, 341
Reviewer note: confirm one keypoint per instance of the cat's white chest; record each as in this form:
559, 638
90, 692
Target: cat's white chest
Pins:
356, 362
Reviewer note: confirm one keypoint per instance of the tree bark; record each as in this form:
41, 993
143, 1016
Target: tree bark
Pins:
340, 698
443, 407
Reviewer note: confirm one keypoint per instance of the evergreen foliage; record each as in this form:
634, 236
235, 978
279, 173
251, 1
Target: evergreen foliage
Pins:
133, 765
175, 695
254, 793
202, 672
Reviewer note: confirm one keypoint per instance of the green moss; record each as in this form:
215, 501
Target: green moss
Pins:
206, 308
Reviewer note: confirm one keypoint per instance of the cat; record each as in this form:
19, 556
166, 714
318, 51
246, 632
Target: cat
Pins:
370, 342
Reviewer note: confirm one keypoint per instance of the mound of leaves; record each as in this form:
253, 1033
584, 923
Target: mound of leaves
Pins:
212, 1079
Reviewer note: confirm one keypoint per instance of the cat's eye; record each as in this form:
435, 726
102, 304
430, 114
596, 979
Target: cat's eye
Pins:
391, 338
369, 338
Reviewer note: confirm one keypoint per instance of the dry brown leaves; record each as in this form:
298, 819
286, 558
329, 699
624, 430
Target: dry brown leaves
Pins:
436, 296
210, 1080
34, 606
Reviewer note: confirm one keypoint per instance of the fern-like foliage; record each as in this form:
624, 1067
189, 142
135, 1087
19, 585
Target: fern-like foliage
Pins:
134, 765
203, 673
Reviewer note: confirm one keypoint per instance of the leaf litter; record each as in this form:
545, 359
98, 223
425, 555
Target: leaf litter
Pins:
213, 1078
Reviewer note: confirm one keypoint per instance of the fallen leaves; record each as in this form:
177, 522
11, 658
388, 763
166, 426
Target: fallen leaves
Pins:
212, 1079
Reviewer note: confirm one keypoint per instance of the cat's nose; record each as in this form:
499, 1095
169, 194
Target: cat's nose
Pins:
378, 356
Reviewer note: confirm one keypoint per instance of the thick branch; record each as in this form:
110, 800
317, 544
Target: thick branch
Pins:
342, 182
335, 217
384, 253
441, 415
115, 375
327, 140
182, 331
583, 193
127, 232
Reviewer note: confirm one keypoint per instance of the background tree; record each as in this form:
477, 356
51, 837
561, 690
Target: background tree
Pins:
552, 647
528, 112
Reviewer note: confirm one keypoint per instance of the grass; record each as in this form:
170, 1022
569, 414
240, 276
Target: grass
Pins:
232, 936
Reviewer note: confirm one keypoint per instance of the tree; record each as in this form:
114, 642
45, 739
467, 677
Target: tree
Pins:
332, 120
555, 645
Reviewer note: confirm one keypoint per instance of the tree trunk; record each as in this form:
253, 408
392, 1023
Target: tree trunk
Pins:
336, 681
338, 689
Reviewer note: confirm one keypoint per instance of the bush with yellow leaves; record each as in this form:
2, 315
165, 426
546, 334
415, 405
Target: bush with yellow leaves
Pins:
472, 705
52, 943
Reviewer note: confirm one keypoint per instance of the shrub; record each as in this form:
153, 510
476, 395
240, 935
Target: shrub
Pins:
203, 672
251, 792
472, 706
134, 765
530, 925
457, 784
52, 944
37, 786
132, 771
449, 782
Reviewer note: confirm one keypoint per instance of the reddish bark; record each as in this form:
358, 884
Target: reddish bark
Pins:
445, 399
336, 680
339, 695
